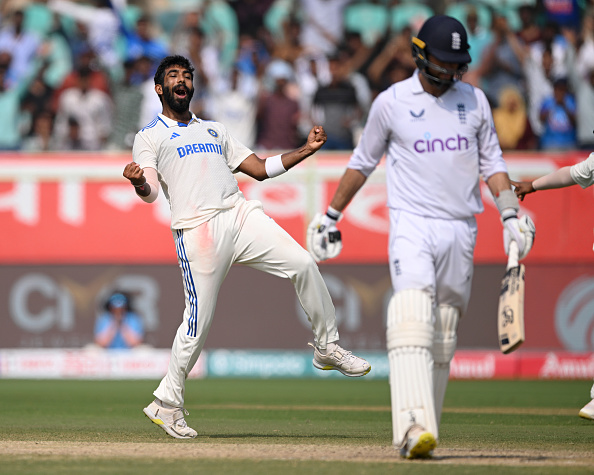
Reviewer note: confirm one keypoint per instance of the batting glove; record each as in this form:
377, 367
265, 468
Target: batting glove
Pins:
521, 230
324, 240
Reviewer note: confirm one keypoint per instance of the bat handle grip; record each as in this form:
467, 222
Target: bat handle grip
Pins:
512, 258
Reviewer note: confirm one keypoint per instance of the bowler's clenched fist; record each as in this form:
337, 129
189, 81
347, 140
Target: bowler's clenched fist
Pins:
135, 174
316, 138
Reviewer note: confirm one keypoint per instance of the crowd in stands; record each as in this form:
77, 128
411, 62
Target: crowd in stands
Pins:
78, 75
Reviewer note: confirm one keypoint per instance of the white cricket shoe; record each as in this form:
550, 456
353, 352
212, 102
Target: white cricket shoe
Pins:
170, 419
341, 360
419, 444
587, 412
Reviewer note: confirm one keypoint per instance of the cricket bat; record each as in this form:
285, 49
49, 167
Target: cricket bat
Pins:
510, 317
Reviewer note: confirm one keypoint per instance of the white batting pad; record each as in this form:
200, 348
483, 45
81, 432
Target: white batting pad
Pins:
410, 341
444, 346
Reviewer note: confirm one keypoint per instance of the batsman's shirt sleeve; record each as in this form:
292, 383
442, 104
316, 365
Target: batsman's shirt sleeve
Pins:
375, 137
583, 173
490, 155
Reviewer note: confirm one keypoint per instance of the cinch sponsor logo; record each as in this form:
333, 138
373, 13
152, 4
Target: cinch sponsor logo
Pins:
429, 145
199, 148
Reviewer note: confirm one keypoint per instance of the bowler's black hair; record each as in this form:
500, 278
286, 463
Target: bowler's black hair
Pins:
169, 61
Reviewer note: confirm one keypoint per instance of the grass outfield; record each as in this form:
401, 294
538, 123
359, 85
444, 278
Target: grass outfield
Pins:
290, 427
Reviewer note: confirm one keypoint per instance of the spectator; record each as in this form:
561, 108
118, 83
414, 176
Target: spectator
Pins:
278, 114
584, 46
337, 108
357, 55
252, 57
36, 99
10, 99
72, 140
38, 95
395, 51
55, 57
580, 65
394, 62
538, 71
311, 71
500, 66
558, 113
180, 36
97, 78
322, 25
529, 31
236, 107
584, 94
250, 15
127, 100
41, 137
219, 22
14, 39
143, 42
91, 109
566, 13
103, 24
207, 76
511, 121
289, 47
553, 40
79, 43
118, 327
479, 38
201, 53
370, 19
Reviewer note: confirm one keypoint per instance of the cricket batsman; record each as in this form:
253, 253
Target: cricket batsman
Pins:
438, 136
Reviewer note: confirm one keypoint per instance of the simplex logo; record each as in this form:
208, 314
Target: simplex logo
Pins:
574, 315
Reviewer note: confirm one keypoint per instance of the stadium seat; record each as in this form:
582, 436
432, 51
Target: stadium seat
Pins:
370, 20
413, 14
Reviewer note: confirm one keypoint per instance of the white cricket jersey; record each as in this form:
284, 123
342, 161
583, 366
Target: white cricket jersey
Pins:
436, 148
583, 173
195, 165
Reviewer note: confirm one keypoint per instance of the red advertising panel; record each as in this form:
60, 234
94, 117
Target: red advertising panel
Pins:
80, 209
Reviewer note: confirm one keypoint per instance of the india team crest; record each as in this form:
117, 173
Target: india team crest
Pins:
213, 132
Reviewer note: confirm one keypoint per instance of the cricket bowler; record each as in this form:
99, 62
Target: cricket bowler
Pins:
214, 226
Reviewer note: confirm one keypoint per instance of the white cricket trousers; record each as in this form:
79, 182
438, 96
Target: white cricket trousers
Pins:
243, 235
434, 255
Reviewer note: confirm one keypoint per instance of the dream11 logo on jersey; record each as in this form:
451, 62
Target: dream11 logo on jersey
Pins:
429, 145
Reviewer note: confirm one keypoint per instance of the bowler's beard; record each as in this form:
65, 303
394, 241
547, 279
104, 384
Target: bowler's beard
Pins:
176, 104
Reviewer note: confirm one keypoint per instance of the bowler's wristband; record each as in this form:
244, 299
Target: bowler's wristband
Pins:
274, 166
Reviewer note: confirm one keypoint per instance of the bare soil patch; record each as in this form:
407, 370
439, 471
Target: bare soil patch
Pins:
197, 449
